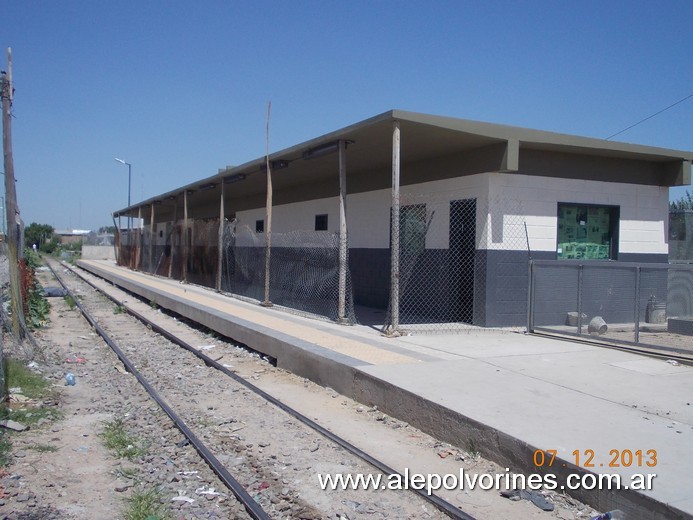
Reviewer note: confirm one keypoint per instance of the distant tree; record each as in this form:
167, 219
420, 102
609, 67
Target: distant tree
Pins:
38, 234
685, 202
107, 229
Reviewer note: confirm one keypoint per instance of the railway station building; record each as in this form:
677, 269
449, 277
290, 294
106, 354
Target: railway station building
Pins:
415, 221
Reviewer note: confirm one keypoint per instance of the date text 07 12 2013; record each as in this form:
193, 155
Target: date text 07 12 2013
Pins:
586, 458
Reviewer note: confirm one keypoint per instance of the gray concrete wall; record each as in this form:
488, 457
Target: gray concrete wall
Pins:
98, 252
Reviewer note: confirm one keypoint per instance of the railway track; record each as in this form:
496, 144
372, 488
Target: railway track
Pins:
211, 404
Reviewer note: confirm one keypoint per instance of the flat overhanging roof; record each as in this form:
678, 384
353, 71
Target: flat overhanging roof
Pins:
423, 137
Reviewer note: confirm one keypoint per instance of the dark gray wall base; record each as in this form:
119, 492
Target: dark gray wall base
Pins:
680, 326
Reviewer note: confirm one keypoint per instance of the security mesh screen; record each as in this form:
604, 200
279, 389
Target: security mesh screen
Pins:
649, 304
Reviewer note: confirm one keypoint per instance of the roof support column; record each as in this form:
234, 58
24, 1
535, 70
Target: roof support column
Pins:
151, 241
186, 242
268, 217
173, 237
220, 253
138, 240
343, 244
394, 232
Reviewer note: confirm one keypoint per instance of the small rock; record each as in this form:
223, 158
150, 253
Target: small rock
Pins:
13, 425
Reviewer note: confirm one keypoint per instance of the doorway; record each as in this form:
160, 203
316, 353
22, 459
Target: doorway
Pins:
462, 259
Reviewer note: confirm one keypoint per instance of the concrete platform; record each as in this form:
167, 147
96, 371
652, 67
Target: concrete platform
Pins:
505, 394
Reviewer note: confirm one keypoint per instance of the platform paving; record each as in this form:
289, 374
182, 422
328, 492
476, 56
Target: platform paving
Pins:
505, 394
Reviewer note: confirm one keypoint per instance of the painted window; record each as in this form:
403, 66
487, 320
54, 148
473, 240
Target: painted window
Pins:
587, 232
321, 222
412, 228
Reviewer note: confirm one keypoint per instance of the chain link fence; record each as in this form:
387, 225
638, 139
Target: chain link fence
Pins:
304, 270
636, 303
681, 236
462, 264
304, 265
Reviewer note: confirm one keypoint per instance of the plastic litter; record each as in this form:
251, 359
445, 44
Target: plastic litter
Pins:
616, 514
70, 379
54, 292
673, 362
534, 497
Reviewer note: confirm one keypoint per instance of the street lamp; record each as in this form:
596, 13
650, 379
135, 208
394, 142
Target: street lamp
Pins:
129, 184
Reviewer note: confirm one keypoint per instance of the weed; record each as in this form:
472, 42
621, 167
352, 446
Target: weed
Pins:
36, 305
472, 447
18, 375
153, 305
143, 505
70, 301
129, 473
34, 387
118, 309
31, 416
120, 442
43, 448
5, 450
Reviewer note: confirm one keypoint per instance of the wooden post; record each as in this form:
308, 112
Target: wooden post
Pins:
13, 220
186, 243
268, 215
116, 241
138, 247
152, 236
220, 260
11, 209
343, 244
394, 232
173, 236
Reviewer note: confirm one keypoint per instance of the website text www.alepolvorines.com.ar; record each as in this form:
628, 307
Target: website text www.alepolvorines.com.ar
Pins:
431, 482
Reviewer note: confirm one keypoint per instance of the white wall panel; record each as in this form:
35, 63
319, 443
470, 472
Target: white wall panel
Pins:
643, 209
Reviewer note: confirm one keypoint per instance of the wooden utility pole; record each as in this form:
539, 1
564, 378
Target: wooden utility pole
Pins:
268, 215
13, 234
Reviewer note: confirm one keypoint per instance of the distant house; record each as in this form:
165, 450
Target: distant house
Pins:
71, 236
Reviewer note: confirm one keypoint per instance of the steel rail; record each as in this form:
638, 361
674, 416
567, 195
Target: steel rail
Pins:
441, 504
253, 508
643, 349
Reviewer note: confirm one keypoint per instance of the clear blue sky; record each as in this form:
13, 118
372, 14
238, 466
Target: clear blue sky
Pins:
180, 89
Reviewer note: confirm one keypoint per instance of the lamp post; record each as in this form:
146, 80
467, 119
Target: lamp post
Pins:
129, 185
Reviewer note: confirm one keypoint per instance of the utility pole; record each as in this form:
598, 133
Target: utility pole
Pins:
11, 202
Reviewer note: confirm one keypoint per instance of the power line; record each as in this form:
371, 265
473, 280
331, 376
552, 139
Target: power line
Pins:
653, 115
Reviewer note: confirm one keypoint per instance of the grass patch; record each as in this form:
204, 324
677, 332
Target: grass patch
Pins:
33, 386
43, 448
5, 449
31, 416
69, 300
17, 374
129, 473
121, 443
118, 309
146, 505
153, 305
